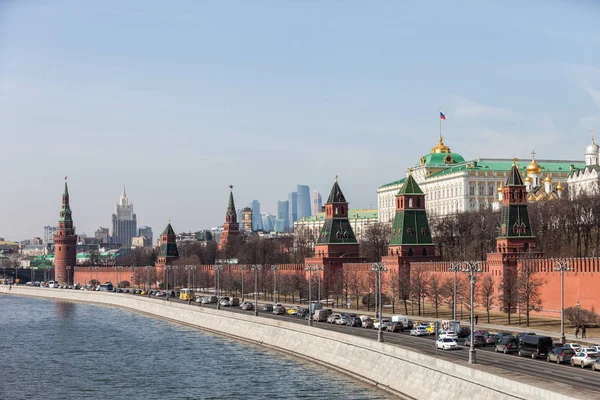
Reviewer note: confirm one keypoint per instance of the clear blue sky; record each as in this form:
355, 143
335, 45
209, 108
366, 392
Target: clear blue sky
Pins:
179, 99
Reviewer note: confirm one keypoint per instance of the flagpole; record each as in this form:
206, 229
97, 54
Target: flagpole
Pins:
440, 118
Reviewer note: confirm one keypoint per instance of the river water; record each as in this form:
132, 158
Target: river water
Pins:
60, 350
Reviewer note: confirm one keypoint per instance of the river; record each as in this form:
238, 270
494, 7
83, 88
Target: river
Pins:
63, 350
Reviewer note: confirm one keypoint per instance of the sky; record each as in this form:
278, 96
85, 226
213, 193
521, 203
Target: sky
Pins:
177, 100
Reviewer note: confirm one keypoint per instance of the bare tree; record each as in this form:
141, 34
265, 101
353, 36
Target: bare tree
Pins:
529, 290
486, 294
418, 280
508, 292
374, 241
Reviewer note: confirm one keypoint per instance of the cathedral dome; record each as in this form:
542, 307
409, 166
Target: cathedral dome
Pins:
592, 148
559, 187
440, 147
548, 179
534, 167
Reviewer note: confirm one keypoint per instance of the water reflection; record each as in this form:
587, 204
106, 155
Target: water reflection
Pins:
64, 309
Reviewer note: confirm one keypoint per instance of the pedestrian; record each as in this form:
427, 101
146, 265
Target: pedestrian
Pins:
583, 332
576, 331
476, 319
9, 286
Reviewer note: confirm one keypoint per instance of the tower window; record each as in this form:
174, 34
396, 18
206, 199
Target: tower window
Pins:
418, 202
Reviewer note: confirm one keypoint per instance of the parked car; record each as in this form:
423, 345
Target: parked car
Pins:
448, 334
160, 293
333, 317
597, 347
507, 344
534, 346
384, 323
267, 307
584, 359
523, 334
573, 346
246, 305
301, 312
560, 355
478, 340
489, 339
367, 323
596, 365
430, 328
446, 344
463, 332
343, 320
395, 327
278, 309
501, 335
419, 330
354, 322
292, 310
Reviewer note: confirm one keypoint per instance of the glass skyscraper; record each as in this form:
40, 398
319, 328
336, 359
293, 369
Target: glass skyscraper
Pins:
282, 224
304, 209
257, 224
292, 209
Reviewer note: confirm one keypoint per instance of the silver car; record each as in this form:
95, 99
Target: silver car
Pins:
583, 359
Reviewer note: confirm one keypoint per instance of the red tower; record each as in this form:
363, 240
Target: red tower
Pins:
231, 228
65, 244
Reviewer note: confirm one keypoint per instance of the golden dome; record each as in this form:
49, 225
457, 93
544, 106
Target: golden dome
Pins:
548, 179
528, 179
559, 187
533, 167
500, 189
440, 147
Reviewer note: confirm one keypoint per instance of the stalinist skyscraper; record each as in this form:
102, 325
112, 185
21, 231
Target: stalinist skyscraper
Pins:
124, 222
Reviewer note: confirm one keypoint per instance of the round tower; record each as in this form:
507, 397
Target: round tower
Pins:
65, 244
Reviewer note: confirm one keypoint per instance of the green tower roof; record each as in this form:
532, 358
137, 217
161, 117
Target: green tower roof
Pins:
336, 195
410, 187
168, 230
514, 177
231, 204
65, 211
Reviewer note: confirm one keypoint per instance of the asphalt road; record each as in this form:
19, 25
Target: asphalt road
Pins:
521, 368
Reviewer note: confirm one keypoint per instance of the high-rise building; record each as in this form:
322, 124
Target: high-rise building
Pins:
102, 235
147, 232
49, 234
281, 223
65, 243
292, 208
303, 193
256, 220
268, 221
124, 222
247, 219
317, 202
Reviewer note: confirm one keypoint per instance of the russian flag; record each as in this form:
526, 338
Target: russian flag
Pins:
442, 116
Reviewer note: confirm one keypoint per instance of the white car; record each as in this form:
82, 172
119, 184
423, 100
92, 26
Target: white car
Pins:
384, 324
419, 330
572, 346
446, 344
583, 359
448, 335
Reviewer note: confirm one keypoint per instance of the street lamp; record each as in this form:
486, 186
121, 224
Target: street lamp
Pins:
310, 268
472, 267
454, 268
217, 268
378, 268
167, 268
320, 268
148, 267
562, 266
578, 305
256, 268
175, 268
189, 270
461, 303
243, 268
117, 268
275, 268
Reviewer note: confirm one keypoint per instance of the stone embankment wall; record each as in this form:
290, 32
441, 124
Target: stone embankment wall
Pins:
404, 372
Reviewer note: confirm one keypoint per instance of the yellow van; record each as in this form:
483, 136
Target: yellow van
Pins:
186, 294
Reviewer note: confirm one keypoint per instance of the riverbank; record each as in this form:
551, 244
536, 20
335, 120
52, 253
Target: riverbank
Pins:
406, 373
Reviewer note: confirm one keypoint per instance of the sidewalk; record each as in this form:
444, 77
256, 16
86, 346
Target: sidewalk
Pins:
570, 337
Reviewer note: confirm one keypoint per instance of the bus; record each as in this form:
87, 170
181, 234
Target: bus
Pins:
186, 294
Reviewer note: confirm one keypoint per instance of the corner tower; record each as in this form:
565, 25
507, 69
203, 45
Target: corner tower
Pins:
65, 243
168, 247
231, 228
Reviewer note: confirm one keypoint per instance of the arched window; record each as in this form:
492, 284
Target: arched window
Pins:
424, 252
410, 252
410, 202
418, 202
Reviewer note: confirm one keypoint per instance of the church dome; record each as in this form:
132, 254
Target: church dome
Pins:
548, 179
440, 147
534, 167
500, 189
559, 187
528, 179
592, 148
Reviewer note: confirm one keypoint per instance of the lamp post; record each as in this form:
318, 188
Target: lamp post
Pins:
562, 266
117, 268
167, 268
310, 268
148, 278
423, 298
461, 303
175, 268
578, 305
189, 270
217, 268
378, 268
243, 268
472, 267
275, 268
320, 268
454, 268
255, 268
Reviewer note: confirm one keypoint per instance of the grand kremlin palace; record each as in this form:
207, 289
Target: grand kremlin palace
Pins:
453, 184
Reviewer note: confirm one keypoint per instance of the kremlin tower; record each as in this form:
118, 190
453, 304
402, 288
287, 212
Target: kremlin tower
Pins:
65, 244
231, 228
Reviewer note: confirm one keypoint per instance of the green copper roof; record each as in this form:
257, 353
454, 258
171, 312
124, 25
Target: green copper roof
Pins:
514, 221
410, 227
66, 189
410, 187
442, 158
352, 214
168, 230
399, 182
65, 210
231, 205
514, 177
336, 195
336, 231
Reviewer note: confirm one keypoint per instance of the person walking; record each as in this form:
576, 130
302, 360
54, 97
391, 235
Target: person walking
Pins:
476, 319
576, 332
583, 332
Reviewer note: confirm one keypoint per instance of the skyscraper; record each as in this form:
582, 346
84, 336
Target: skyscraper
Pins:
268, 221
317, 202
292, 208
49, 234
247, 219
303, 193
124, 222
146, 231
102, 235
256, 219
282, 224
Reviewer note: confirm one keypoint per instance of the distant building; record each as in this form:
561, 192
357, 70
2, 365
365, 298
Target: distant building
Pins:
359, 220
49, 234
204, 236
124, 222
317, 202
247, 219
282, 222
303, 204
268, 222
37, 241
34, 250
140, 241
256, 220
102, 234
292, 208
146, 231
586, 179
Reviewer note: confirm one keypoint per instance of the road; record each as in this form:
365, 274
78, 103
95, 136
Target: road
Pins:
504, 364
